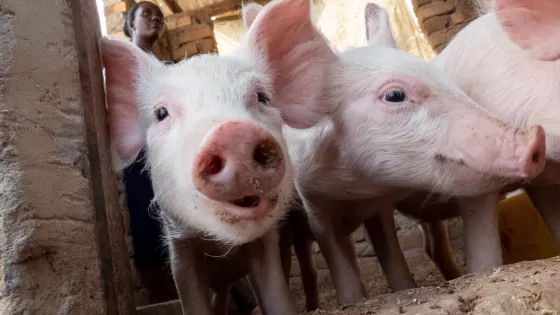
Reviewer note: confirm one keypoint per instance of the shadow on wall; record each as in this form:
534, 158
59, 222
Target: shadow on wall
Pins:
342, 22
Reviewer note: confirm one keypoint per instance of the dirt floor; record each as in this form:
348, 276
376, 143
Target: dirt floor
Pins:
523, 288
424, 271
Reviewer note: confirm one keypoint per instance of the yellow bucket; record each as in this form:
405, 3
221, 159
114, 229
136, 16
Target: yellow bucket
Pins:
524, 235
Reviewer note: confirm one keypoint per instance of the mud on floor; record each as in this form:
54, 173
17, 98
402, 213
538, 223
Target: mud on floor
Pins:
523, 288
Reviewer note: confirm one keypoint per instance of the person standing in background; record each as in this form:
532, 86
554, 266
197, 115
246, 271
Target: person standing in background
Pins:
144, 25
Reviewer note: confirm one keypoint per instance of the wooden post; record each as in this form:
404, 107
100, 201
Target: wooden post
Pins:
115, 268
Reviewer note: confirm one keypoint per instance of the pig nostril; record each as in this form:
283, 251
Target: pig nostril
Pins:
213, 165
266, 154
535, 157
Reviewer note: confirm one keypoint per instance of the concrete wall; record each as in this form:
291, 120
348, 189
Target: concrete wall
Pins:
49, 260
56, 252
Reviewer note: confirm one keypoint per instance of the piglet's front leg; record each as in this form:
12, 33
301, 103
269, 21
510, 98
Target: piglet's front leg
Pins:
339, 253
482, 238
267, 277
383, 235
190, 275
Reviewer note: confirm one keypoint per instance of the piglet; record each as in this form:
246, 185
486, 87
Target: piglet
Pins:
212, 127
507, 60
398, 125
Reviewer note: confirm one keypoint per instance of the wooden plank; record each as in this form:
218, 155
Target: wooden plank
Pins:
178, 20
165, 10
227, 18
114, 264
229, 6
115, 8
235, 13
189, 34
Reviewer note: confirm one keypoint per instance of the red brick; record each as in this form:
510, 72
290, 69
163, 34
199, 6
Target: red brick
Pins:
190, 33
457, 17
435, 23
434, 9
178, 20
441, 38
418, 3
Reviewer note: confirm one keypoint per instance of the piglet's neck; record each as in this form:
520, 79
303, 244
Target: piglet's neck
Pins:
333, 170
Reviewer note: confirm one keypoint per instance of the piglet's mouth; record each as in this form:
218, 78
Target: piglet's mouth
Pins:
251, 207
247, 202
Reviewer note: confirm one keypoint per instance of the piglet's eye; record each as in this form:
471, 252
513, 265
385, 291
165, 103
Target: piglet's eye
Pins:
395, 96
161, 113
262, 98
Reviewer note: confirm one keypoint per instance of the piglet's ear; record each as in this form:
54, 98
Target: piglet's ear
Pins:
296, 56
533, 25
125, 66
378, 27
250, 12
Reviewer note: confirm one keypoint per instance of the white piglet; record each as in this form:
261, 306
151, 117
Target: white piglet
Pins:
508, 61
216, 152
398, 125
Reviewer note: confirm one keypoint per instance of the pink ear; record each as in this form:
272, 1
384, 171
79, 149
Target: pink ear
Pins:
534, 25
378, 28
125, 65
250, 13
296, 55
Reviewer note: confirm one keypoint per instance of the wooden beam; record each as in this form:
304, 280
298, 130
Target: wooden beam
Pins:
229, 6
173, 6
227, 18
114, 262
163, 7
228, 14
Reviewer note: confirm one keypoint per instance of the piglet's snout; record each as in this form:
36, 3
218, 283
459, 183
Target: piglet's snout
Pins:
238, 159
532, 160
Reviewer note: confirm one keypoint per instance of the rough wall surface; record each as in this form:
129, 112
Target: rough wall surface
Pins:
48, 253
440, 20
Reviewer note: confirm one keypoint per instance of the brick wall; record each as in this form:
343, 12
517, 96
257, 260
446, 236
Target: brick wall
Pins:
187, 33
440, 20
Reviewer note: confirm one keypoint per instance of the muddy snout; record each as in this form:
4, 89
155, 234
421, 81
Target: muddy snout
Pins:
238, 159
533, 156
